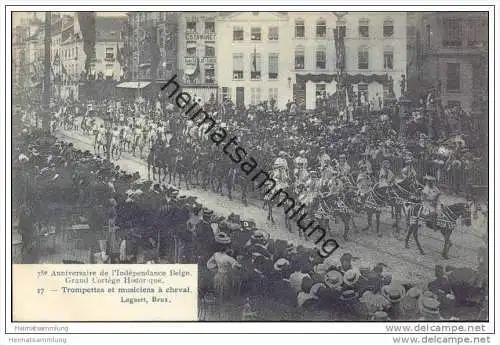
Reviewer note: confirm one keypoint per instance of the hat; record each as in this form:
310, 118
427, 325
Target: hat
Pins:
429, 178
207, 212
408, 159
380, 316
260, 235
281, 264
333, 279
386, 163
429, 294
414, 292
282, 153
348, 295
351, 277
364, 266
222, 238
429, 305
342, 156
302, 152
393, 293
346, 256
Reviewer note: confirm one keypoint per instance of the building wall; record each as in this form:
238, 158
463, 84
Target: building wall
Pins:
437, 54
139, 23
109, 67
254, 89
375, 43
197, 39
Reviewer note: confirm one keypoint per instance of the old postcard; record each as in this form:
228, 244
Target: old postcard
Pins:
251, 166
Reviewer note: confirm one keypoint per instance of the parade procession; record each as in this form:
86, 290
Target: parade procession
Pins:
359, 118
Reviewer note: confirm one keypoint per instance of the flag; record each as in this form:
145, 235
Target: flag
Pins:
118, 54
63, 70
197, 69
254, 62
57, 60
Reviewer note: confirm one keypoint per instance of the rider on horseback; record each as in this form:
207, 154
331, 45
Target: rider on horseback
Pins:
430, 198
385, 177
364, 164
408, 170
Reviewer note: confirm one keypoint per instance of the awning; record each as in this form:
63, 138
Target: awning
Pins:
133, 85
190, 45
190, 70
210, 44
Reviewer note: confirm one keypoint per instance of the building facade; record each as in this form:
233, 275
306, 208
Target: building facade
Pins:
20, 58
197, 58
375, 54
150, 45
451, 53
254, 61
108, 45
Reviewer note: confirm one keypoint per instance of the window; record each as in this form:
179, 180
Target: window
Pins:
238, 34
363, 93
320, 90
363, 58
300, 29
299, 57
191, 26
452, 33
388, 27
256, 67
210, 49
226, 93
109, 54
209, 26
238, 65
209, 74
255, 95
321, 57
363, 28
273, 94
428, 36
273, 66
321, 28
388, 58
477, 34
191, 48
453, 77
255, 34
273, 34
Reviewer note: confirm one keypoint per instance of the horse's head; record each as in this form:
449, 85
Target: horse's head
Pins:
463, 210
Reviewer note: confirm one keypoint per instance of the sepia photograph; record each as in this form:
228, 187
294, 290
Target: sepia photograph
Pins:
313, 166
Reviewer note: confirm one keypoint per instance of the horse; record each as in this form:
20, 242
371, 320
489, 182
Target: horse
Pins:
403, 190
445, 223
139, 143
238, 178
115, 146
331, 207
100, 142
151, 160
